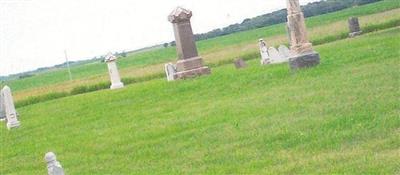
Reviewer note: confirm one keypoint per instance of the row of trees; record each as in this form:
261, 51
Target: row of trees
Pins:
311, 9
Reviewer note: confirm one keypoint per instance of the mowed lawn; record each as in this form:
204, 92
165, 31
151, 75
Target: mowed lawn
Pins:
213, 50
340, 117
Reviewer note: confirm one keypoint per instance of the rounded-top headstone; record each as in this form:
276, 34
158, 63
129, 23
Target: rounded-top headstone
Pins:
50, 157
6, 89
180, 15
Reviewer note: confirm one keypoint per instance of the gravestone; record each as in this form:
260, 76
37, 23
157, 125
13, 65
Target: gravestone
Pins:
9, 108
113, 72
303, 53
240, 63
189, 64
284, 51
354, 27
265, 58
2, 111
275, 56
53, 166
170, 71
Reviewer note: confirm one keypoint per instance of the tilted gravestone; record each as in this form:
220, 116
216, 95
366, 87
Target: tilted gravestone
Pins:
265, 58
113, 72
354, 27
170, 71
2, 110
303, 52
9, 108
240, 63
284, 51
275, 56
53, 166
189, 64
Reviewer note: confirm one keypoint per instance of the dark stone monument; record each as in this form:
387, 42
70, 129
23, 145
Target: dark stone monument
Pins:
189, 64
303, 53
240, 63
354, 27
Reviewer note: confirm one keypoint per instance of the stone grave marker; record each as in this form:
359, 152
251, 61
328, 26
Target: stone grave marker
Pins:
53, 166
189, 64
113, 72
265, 58
240, 63
2, 111
284, 51
354, 27
303, 53
9, 108
170, 71
274, 55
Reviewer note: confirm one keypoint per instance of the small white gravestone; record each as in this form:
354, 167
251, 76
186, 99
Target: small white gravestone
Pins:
9, 108
53, 166
265, 58
2, 110
275, 56
113, 71
284, 51
170, 71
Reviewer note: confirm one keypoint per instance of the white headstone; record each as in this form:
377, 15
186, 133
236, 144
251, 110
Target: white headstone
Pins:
170, 71
284, 51
9, 108
113, 72
265, 57
53, 166
2, 110
275, 56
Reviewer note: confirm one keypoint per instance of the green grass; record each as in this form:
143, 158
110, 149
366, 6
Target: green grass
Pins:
207, 46
341, 117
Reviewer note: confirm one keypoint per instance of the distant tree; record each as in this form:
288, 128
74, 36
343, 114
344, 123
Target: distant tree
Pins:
165, 45
173, 43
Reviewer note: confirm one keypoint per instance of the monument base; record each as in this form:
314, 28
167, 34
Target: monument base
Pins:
193, 73
354, 34
192, 67
11, 125
305, 60
117, 86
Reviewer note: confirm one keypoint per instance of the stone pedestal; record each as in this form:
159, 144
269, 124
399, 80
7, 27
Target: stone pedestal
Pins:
303, 55
9, 108
354, 27
189, 64
113, 72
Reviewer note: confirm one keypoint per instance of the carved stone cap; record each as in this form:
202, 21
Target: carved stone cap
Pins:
50, 157
180, 15
110, 57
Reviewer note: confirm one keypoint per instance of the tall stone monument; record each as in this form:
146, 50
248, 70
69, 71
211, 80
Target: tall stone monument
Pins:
302, 50
189, 64
265, 58
9, 108
354, 27
113, 72
53, 166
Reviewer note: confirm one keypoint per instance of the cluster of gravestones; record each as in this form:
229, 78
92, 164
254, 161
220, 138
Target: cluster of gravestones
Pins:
190, 64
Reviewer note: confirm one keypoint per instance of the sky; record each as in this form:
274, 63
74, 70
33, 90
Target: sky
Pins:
35, 33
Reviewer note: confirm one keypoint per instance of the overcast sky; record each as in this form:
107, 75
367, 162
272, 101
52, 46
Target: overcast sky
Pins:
35, 33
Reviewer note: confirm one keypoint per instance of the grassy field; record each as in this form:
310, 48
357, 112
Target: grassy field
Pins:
340, 117
323, 27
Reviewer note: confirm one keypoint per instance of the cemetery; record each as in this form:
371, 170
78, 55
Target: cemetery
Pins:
315, 95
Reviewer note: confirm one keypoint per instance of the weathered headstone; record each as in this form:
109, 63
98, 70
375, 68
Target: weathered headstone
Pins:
170, 71
304, 54
265, 58
9, 108
53, 166
240, 63
189, 64
284, 51
113, 72
275, 56
2, 110
354, 27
